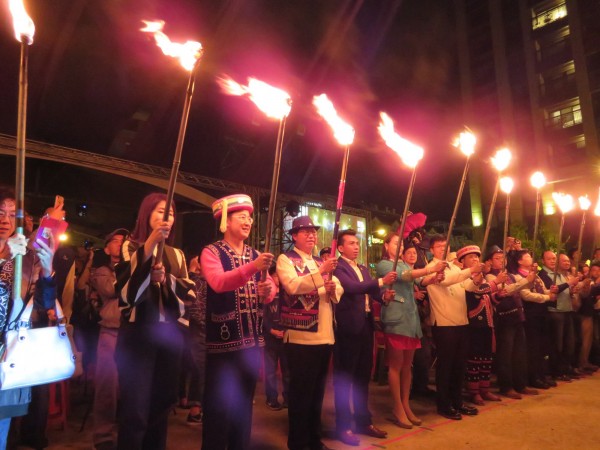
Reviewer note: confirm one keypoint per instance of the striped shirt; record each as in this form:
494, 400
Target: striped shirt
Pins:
140, 300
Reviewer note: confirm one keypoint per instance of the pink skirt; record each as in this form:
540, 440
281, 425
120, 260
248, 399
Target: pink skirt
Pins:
400, 342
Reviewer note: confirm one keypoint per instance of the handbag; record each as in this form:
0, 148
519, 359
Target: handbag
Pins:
36, 356
78, 355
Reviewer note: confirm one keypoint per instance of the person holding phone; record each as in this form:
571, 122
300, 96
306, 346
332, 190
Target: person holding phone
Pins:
149, 344
37, 282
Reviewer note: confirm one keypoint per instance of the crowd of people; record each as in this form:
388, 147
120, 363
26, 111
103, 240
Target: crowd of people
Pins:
156, 332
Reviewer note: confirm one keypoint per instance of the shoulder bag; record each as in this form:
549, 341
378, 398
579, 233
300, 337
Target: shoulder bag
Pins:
36, 356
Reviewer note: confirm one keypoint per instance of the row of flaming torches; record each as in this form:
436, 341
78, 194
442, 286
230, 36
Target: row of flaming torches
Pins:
276, 104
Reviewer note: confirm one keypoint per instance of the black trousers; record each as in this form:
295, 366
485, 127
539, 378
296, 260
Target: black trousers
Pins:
452, 344
148, 357
352, 365
33, 425
197, 344
563, 342
421, 364
511, 356
308, 375
536, 332
274, 354
228, 395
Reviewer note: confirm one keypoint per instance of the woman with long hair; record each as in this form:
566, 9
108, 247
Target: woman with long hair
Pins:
149, 345
401, 325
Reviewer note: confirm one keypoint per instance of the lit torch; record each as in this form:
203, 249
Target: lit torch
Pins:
24, 31
500, 161
410, 154
506, 186
538, 181
189, 54
584, 205
466, 143
596, 213
565, 204
344, 134
275, 104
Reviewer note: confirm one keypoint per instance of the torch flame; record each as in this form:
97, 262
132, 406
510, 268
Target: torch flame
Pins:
597, 208
563, 201
501, 159
506, 184
342, 131
275, 103
538, 180
187, 53
24, 26
584, 203
466, 142
410, 153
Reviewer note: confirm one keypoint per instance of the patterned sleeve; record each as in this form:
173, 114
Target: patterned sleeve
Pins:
133, 277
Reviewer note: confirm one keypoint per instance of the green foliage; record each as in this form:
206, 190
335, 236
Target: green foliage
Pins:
547, 238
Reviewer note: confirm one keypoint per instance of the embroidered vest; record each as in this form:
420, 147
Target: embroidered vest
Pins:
233, 318
533, 309
479, 306
509, 309
300, 312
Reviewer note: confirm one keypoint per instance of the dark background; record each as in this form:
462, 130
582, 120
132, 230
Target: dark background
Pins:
96, 83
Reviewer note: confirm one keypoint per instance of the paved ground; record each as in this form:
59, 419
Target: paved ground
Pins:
566, 417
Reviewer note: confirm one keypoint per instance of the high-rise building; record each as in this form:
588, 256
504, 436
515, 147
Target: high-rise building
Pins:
530, 80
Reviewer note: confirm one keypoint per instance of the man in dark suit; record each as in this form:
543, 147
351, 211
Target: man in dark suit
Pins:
353, 349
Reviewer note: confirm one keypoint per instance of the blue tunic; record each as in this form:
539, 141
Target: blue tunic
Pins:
401, 315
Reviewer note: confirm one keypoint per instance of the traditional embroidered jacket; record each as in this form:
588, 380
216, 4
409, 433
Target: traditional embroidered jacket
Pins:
300, 312
479, 306
509, 309
234, 319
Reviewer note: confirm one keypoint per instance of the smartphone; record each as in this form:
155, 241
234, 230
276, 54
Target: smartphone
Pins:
59, 201
48, 227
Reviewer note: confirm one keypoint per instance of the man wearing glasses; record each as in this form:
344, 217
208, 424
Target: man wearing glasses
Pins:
308, 291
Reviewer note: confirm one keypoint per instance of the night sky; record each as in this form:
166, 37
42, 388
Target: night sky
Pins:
93, 74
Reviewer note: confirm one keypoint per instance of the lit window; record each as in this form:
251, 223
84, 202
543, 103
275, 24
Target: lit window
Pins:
565, 117
543, 18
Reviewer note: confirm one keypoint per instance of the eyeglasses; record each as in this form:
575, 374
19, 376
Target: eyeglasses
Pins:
244, 219
4, 214
308, 231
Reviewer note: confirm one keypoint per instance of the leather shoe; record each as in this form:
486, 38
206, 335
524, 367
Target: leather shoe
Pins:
477, 399
349, 438
528, 391
550, 382
274, 405
490, 397
450, 413
577, 373
565, 378
468, 410
511, 393
539, 384
373, 431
